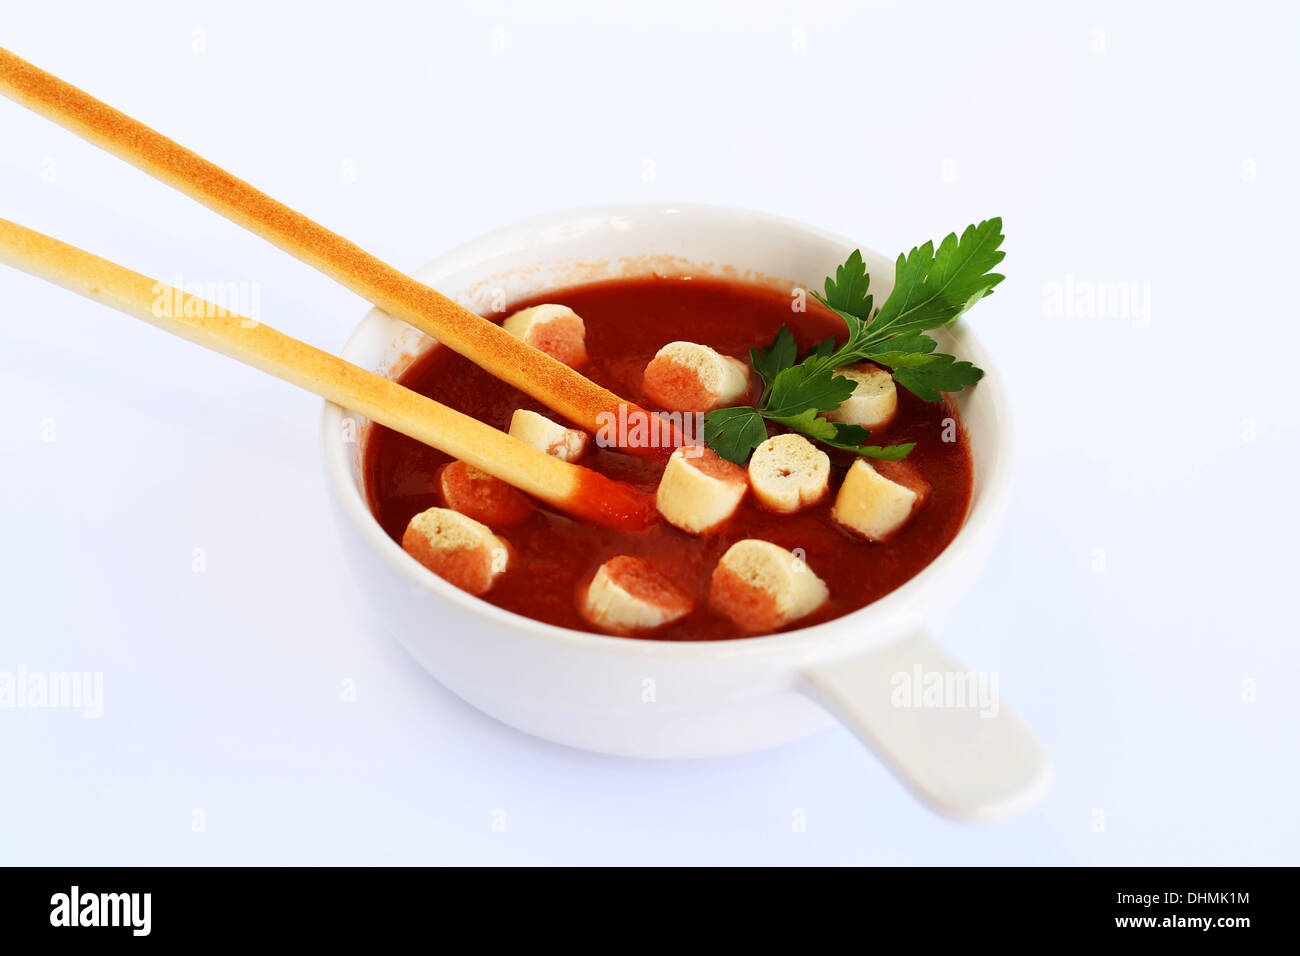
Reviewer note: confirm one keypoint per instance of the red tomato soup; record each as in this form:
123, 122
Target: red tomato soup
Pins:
553, 557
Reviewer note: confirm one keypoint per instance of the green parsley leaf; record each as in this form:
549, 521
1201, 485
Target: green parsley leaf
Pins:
931, 289
808, 423
844, 436
777, 356
900, 345
734, 432
804, 388
848, 291
824, 348
885, 452
941, 373
847, 436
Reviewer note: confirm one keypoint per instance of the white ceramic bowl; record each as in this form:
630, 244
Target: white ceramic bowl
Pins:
663, 699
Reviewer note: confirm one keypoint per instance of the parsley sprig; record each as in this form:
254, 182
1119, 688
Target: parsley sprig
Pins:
931, 289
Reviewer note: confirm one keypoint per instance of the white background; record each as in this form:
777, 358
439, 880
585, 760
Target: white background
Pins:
1139, 609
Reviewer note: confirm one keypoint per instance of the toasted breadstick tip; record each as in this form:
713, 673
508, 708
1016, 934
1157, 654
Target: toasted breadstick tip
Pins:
629, 594
762, 587
457, 548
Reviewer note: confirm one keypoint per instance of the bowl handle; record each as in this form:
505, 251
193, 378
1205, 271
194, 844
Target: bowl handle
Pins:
941, 729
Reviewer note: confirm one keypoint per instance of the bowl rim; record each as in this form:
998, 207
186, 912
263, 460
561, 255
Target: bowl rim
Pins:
982, 518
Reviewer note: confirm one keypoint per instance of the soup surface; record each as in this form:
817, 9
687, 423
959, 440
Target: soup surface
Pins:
627, 322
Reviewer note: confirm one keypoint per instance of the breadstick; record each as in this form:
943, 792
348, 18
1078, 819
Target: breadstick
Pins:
579, 491
484, 343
